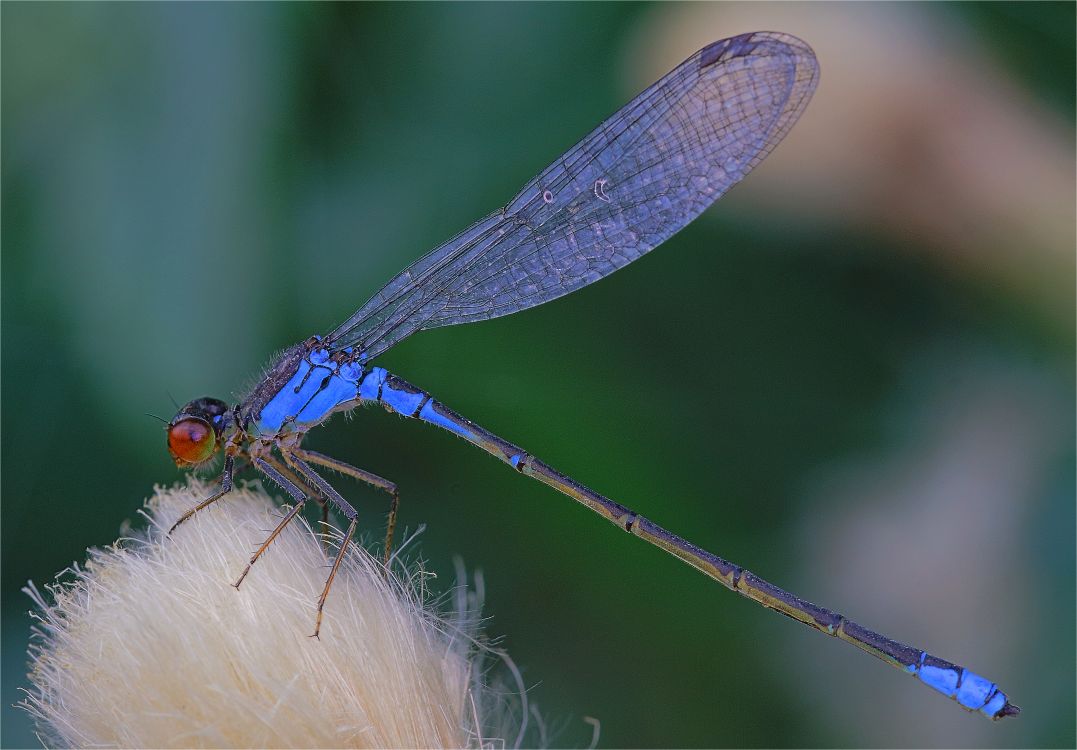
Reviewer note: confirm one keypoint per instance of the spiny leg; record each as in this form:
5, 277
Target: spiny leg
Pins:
344, 506
322, 503
224, 489
363, 476
325, 524
332, 574
300, 500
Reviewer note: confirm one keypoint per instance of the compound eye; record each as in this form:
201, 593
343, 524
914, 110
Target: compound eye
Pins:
191, 440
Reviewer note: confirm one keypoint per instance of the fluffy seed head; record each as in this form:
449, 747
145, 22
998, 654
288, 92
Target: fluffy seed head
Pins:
149, 645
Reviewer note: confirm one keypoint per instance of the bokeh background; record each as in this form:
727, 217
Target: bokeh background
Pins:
877, 328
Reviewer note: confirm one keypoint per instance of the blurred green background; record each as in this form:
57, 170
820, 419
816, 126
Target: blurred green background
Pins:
876, 330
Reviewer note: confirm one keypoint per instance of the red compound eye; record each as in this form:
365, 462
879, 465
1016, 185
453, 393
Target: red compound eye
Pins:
191, 440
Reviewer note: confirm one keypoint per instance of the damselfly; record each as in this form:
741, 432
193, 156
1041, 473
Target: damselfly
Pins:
640, 177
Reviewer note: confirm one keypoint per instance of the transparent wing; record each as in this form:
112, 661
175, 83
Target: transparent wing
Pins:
640, 177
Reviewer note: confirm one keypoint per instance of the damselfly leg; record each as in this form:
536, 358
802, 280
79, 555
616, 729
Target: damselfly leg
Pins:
297, 494
323, 504
363, 476
344, 506
302, 483
224, 488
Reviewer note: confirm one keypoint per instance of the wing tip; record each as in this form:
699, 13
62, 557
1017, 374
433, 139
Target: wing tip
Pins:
743, 45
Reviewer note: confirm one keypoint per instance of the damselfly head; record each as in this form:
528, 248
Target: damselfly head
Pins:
194, 434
